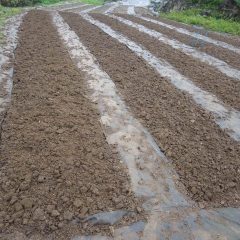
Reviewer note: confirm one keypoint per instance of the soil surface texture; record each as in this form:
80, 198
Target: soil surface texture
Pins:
56, 167
234, 40
224, 54
206, 158
205, 76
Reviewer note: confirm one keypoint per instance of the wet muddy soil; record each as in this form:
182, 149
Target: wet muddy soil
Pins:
56, 167
206, 159
224, 54
234, 40
205, 76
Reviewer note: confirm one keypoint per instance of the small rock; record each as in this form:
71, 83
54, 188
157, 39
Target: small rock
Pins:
67, 215
83, 211
13, 200
65, 199
25, 221
27, 203
69, 183
2, 214
24, 186
35, 174
60, 225
41, 179
95, 191
194, 190
84, 189
17, 215
39, 214
50, 208
60, 131
77, 203
139, 210
55, 213
18, 207
53, 227
232, 184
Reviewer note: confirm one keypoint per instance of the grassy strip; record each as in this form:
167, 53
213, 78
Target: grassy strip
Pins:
93, 2
52, 2
6, 12
192, 16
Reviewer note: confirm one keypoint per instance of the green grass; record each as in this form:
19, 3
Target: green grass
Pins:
93, 2
6, 12
216, 23
48, 2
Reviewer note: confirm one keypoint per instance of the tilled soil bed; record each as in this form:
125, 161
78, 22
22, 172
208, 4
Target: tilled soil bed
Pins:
234, 40
56, 166
205, 157
205, 76
224, 54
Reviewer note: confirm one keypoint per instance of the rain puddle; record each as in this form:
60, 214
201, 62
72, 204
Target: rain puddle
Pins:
171, 215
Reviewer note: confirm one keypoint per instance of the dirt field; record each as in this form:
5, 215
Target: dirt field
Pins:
58, 165
161, 107
55, 163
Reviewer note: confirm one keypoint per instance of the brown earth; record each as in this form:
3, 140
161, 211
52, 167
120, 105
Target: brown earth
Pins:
205, 76
234, 40
206, 158
221, 53
56, 165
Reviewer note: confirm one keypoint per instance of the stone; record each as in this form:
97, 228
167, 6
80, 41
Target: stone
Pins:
60, 225
39, 214
13, 200
55, 213
83, 211
50, 208
27, 203
41, 179
194, 190
18, 206
77, 203
25, 221
67, 215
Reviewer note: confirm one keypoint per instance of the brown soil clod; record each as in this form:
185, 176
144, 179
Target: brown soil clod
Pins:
56, 163
206, 159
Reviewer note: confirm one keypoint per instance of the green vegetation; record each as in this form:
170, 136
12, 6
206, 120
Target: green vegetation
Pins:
21, 3
5, 13
48, 2
93, 2
208, 16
